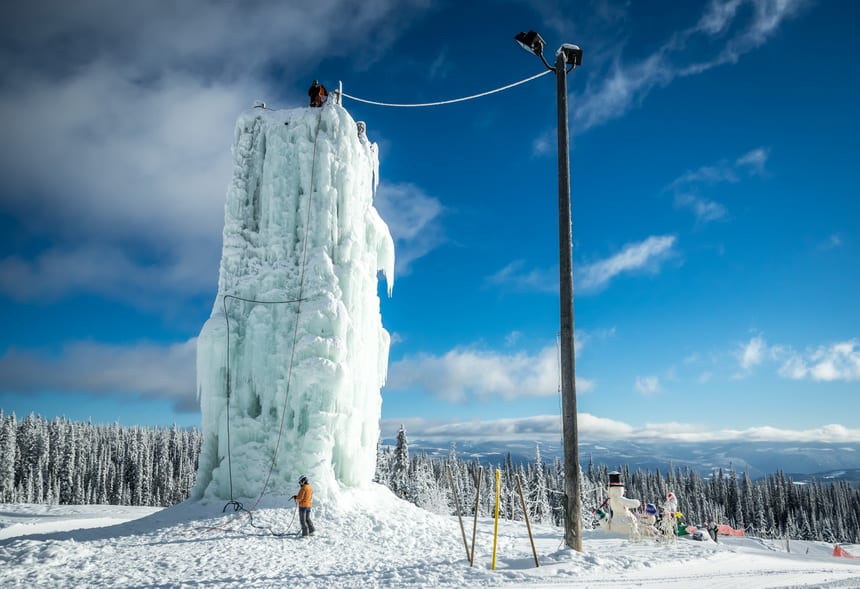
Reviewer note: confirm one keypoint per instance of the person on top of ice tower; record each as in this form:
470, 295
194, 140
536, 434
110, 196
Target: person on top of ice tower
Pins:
317, 93
305, 499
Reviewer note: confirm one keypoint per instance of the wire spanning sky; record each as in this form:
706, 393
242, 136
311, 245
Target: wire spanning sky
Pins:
716, 222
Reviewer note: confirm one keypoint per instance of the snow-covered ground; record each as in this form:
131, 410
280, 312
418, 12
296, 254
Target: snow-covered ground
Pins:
371, 539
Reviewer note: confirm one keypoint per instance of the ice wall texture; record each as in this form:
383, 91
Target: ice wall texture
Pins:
304, 375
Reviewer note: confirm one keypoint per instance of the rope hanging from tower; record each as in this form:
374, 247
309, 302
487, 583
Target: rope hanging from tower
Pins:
237, 506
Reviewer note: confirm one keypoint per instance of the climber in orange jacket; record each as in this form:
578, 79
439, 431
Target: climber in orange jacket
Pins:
318, 94
304, 498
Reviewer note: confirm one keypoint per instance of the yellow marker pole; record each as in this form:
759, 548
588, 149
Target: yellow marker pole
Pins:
496, 524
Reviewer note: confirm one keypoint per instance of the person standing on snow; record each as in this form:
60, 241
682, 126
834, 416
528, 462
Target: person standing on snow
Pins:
317, 93
304, 498
713, 530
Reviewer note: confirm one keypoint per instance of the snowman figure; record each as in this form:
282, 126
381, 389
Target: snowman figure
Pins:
619, 519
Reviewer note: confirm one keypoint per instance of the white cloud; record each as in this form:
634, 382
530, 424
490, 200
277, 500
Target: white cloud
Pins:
513, 337
440, 67
537, 280
622, 88
466, 373
687, 186
718, 16
145, 370
752, 353
463, 373
752, 162
647, 385
536, 428
414, 219
755, 160
827, 433
832, 242
595, 428
767, 16
644, 255
714, 174
704, 209
584, 385
794, 368
544, 144
839, 361
721, 34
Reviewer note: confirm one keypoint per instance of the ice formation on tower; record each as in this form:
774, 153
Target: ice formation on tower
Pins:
307, 359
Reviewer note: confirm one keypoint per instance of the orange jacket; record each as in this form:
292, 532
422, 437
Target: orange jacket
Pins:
305, 496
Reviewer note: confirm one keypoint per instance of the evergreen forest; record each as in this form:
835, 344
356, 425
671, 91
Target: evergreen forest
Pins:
65, 462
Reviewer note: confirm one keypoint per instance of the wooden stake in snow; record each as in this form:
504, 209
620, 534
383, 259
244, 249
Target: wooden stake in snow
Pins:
526, 515
475, 522
459, 517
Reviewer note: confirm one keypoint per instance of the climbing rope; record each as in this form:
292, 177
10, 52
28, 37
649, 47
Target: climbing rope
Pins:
465, 98
237, 506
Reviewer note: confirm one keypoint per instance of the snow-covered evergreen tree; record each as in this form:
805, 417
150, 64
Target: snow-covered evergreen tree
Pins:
400, 465
538, 499
8, 457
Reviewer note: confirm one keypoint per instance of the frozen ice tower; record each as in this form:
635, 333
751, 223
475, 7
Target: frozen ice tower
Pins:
291, 361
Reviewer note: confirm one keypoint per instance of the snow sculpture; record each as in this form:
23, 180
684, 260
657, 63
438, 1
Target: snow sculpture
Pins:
291, 361
668, 521
648, 520
620, 519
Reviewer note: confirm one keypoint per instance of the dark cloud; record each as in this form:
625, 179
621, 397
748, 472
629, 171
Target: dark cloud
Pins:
117, 126
143, 370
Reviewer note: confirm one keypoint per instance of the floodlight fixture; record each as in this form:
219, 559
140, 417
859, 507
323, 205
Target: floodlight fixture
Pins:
572, 54
531, 42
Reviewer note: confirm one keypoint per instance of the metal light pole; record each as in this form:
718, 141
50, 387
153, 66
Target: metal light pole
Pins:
567, 55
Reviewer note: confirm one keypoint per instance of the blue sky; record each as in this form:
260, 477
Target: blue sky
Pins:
714, 185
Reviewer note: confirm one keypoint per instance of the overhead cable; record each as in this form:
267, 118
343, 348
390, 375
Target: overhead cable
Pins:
534, 77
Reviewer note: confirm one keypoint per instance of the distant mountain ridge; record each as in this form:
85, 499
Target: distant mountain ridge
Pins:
851, 475
804, 460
